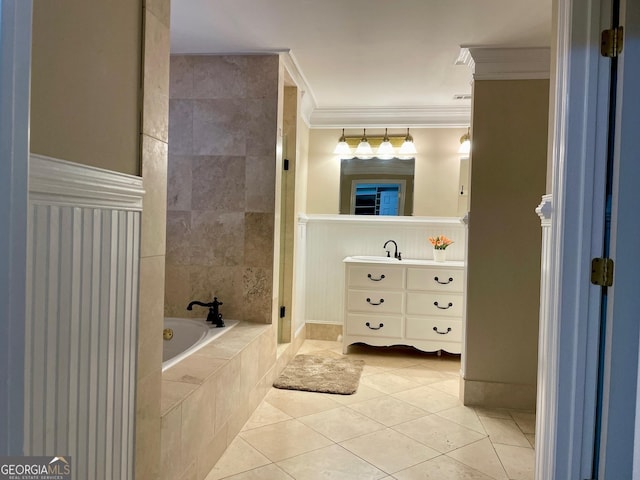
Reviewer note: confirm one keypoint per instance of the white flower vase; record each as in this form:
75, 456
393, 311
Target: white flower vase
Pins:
439, 255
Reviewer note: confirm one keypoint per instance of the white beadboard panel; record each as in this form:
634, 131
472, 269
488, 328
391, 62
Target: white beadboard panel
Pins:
81, 322
331, 238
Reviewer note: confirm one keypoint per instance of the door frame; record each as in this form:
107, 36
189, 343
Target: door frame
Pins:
568, 351
15, 76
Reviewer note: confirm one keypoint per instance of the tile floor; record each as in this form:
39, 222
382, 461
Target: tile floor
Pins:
405, 422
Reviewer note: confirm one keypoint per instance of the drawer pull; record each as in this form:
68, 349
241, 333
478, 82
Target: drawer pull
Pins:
374, 328
435, 329
443, 308
373, 303
443, 283
375, 279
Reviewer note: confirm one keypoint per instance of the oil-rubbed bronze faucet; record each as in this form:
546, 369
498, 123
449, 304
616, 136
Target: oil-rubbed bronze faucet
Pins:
214, 316
396, 253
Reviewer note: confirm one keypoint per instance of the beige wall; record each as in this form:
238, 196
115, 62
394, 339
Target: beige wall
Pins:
437, 170
86, 82
508, 165
223, 138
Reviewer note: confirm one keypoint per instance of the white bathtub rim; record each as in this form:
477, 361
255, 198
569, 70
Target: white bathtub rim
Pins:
212, 334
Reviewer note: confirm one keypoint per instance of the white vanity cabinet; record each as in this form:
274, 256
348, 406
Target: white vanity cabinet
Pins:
407, 302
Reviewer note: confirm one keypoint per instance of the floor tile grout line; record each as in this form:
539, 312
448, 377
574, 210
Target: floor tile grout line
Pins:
446, 376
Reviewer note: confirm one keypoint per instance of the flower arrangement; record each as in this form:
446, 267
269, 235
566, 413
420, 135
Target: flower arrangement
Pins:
440, 242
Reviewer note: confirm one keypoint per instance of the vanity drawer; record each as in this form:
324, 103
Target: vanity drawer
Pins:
436, 304
374, 325
436, 279
376, 301
436, 329
376, 276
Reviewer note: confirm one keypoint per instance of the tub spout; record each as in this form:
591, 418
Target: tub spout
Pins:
214, 316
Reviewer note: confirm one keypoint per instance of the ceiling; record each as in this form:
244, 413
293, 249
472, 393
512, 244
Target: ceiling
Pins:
365, 56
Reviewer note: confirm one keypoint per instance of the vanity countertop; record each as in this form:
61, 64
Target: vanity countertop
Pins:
405, 261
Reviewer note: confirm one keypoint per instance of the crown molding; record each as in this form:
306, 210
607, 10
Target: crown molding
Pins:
392, 117
512, 63
308, 99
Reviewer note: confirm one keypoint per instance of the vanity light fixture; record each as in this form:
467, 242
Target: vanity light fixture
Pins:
384, 147
364, 147
385, 150
465, 143
408, 147
342, 148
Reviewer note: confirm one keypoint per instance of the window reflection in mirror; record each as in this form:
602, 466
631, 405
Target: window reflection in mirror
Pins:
376, 186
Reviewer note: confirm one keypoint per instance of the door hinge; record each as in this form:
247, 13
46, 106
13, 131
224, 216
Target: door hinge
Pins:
611, 42
283, 311
285, 164
602, 272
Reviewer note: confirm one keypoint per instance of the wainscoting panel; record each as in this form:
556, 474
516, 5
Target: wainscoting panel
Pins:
81, 316
331, 238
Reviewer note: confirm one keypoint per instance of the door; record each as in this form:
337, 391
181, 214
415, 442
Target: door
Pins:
389, 202
618, 442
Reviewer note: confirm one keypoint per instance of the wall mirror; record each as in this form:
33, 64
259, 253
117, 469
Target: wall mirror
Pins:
376, 186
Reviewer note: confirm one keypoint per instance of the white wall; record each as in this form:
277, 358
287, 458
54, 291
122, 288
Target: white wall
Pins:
437, 170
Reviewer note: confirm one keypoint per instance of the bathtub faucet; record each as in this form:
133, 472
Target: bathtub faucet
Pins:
214, 316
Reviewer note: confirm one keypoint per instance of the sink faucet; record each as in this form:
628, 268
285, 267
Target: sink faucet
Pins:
214, 315
396, 253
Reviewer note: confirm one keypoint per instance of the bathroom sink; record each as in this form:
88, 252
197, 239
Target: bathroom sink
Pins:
372, 259
393, 261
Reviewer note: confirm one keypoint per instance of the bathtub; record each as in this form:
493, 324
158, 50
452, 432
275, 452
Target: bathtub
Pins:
189, 336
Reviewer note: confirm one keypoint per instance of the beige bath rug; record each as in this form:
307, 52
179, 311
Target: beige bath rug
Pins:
321, 374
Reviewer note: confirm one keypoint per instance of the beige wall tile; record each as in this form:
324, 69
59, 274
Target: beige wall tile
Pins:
151, 316
218, 183
161, 9
173, 393
171, 450
257, 288
198, 412
154, 173
180, 126
217, 238
181, 76
223, 108
227, 393
179, 189
259, 182
155, 121
258, 239
211, 452
220, 76
178, 238
219, 127
148, 458
194, 369
249, 368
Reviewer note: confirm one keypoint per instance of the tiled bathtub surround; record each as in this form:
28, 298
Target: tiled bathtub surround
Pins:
221, 183
207, 398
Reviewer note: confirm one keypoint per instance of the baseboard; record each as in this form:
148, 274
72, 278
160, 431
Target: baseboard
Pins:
324, 331
498, 395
